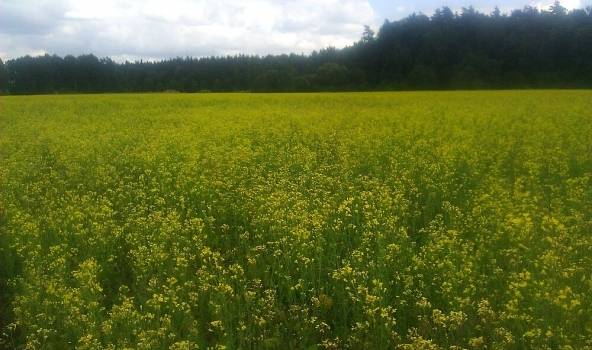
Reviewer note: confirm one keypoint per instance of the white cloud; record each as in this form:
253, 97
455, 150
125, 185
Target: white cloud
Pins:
569, 4
165, 28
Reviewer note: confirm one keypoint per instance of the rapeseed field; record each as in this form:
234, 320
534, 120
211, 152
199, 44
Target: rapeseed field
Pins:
417, 220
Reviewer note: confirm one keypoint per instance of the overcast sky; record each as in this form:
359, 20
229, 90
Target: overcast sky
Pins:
155, 29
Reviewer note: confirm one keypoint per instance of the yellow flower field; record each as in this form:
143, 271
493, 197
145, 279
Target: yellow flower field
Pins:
416, 220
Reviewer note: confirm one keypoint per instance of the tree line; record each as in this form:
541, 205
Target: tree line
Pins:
528, 48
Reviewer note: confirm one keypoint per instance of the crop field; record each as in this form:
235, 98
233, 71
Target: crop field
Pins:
416, 220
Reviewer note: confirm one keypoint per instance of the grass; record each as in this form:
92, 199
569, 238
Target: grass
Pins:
420, 220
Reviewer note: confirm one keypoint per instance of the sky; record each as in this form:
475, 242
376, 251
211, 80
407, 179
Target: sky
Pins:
157, 29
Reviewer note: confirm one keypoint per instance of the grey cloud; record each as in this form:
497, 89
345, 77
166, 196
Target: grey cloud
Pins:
160, 29
31, 17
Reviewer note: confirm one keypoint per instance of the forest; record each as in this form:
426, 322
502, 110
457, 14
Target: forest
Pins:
527, 48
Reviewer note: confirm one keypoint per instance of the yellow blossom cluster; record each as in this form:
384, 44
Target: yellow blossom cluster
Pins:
418, 220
